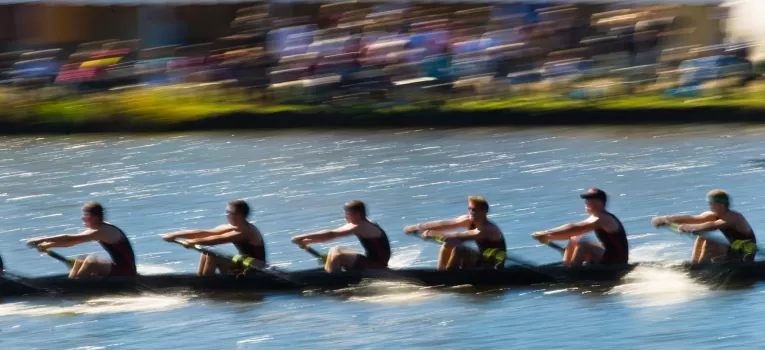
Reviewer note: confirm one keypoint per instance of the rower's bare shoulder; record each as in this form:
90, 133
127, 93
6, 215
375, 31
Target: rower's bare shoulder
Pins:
255, 236
255, 229
738, 219
492, 227
492, 230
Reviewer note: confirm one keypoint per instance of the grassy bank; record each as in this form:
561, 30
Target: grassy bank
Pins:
160, 109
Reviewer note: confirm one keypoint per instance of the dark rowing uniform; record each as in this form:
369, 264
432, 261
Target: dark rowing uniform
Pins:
491, 253
376, 252
742, 247
615, 244
251, 250
123, 258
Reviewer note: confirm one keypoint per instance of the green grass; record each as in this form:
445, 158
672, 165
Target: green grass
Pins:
164, 106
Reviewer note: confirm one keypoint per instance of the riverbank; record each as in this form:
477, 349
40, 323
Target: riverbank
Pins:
149, 112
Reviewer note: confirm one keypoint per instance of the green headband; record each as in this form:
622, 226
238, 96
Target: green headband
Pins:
717, 199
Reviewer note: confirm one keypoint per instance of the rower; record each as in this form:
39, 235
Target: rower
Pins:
241, 233
371, 236
733, 225
454, 254
611, 246
111, 238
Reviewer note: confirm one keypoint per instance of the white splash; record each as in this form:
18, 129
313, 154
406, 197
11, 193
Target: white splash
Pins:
392, 293
654, 286
150, 269
404, 257
108, 305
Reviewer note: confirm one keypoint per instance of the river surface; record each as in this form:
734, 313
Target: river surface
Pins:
297, 182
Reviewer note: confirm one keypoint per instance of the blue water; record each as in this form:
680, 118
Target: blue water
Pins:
298, 182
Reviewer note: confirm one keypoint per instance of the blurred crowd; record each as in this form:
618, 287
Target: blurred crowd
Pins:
352, 51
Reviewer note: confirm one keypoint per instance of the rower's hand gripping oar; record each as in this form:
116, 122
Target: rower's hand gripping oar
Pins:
68, 261
243, 261
24, 281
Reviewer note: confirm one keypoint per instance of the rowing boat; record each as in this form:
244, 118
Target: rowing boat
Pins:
309, 279
319, 280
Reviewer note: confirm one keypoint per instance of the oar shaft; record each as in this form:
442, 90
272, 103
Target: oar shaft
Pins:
313, 252
59, 257
556, 246
68, 261
215, 254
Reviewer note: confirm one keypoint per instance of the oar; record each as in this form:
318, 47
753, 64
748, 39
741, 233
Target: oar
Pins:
244, 261
68, 261
556, 246
24, 281
322, 257
17, 279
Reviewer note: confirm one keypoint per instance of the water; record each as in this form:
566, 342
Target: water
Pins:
298, 182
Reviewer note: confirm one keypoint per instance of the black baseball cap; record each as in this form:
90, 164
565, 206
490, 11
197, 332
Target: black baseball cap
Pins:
594, 193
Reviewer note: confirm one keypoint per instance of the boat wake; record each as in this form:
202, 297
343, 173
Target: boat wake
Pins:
384, 292
389, 292
653, 286
108, 305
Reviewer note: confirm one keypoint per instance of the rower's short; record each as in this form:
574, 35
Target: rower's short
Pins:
477, 260
742, 250
363, 263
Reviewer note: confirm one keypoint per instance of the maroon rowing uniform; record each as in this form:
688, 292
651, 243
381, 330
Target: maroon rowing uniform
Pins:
123, 258
614, 244
376, 251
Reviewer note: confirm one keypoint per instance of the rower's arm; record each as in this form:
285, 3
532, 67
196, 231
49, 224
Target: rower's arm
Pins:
706, 227
565, 232
68, 240
449, 224
469, 235
325, 235
228, 237
689, 219
199, 234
